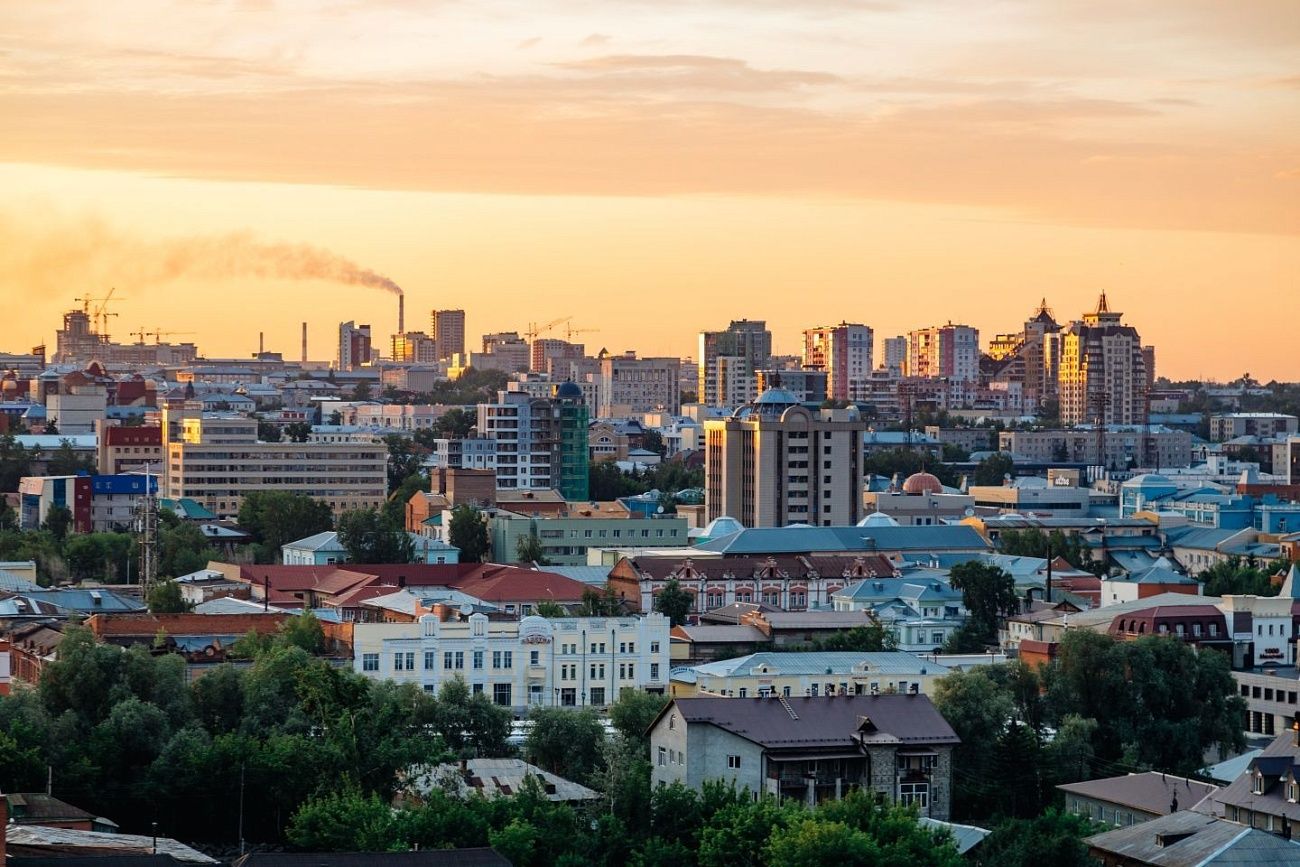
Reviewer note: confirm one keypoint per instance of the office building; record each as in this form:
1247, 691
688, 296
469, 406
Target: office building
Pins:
948, 351
633, 385
1102, 375
776, 462
354, 346
729, 362
546, 351
509, 351
217, 461
844, 351
1264, 425
541, 442
447, 328
895, 355
809, 386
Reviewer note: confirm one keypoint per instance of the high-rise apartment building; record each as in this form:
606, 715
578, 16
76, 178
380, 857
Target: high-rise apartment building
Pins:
729, 362
447, 327
1030, 357
844, 351
809, 386
414, 347
630, 385
1102, 375
949, 351
895, 355
354, 346
541, 442
510, 351
775, 462
546, 350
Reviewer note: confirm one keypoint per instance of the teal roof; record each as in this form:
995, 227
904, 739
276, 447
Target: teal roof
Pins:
803, 540
187, 508
820, 662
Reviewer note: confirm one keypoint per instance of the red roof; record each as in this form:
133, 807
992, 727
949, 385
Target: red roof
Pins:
494, 583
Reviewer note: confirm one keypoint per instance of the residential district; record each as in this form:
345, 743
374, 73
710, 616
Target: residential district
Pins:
915, 599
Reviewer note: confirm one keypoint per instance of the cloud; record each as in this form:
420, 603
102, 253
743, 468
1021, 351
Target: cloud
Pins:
595, 39
695, 71
525, 44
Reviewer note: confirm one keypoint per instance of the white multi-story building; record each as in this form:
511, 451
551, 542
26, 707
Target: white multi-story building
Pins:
844, 352
532, 662
392, 416
526, 432
895, 355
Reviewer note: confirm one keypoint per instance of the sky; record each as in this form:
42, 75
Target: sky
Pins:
651, 168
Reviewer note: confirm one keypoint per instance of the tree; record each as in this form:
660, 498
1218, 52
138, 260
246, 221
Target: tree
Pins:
653, 440
405, 458
182, 549
994, 469
345, 821
528, 549
674, 603
810, 843
267, 432
550, 610
455, 423
600, 603
298, 432
468, 532
369, 536
905, 462
978, 710
58, 521
395, 505
988, 593
361, 391
869, 638
565, 741
335, 417
165, 598
15, 462
1237, 577
1024, 842
633, 713
276, 518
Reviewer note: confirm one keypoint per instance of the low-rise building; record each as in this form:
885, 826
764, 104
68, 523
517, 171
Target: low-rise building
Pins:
1133, 798
1267, 796
810, 674
1190, 839
324, 549
565, 538
810, 749
532, 662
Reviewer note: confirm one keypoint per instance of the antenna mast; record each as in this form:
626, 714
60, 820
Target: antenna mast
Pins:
147, 524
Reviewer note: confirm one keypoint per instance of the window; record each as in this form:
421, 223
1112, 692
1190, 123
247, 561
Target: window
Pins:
914, 793
654, 672
533, 657
460, 659
1258, 788
785, 691
501, 693
430, 660
744, 693
663, 757
733, 762
397, 662
446, 660
654, 647
478, 659
370, 662
569, 697
598, 695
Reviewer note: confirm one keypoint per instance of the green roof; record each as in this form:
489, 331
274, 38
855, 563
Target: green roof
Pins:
187, 508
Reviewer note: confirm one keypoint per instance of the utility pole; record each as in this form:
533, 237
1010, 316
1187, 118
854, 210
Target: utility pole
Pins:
147, 526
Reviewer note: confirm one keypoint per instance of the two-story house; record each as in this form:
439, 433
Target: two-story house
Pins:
810, 749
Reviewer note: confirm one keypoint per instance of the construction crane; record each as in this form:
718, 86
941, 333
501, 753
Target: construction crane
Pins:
99, 317
569, 331
534, 329
157, 335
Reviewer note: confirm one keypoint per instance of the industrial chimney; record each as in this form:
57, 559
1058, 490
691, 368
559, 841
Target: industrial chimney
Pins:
261, 343
304, 343
401, 314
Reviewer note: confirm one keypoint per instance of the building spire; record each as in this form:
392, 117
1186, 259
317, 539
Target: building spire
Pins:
1102, 306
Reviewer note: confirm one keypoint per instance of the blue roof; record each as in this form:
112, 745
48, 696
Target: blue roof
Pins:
87, 601
821, 662
123, 483
803, 540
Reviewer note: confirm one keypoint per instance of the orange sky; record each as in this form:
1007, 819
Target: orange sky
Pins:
653, 167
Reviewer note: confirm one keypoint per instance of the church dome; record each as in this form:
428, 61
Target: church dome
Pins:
877, 519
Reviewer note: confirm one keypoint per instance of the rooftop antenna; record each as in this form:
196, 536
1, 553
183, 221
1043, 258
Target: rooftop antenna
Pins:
147, 522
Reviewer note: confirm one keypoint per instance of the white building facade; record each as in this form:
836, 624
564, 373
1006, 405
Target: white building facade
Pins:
532, 662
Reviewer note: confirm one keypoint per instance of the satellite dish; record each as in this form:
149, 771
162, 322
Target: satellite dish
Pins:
659, 510
970, 510
466, 609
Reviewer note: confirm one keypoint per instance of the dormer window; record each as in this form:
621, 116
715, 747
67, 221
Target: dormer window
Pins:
1258, 788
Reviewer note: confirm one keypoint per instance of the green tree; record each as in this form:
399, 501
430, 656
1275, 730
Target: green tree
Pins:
810, 843
565, 741
528, 549
66, 462
405, 458
182, 549
988, 593
979, 710
1025, 842
58, 521
600, 603
15, 462
395, 505
361, 391
994, 469
369, 536
276, 518
165, 598
869, 638
298, 432
268, 432
455, 423
468, 532
633, 713
1236, 576
674, 603
344, 821
548, 609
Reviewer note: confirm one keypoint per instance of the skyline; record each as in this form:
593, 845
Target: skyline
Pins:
657, 175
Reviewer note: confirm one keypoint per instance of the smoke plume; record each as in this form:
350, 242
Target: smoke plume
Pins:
89, 252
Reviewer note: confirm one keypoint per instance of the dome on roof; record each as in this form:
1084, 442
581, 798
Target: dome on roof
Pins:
877, 519
568, 390
922, 483
724, 525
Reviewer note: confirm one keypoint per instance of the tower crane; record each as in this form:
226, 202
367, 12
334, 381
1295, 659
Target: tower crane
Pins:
534, 329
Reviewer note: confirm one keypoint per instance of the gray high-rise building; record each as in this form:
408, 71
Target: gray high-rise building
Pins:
447, 327
729, 362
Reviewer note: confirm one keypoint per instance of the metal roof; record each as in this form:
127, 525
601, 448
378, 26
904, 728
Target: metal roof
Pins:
820, 662
803, 540
1209, 842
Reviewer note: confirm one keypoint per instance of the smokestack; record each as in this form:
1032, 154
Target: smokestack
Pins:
304, 343
261, 342
401, 314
